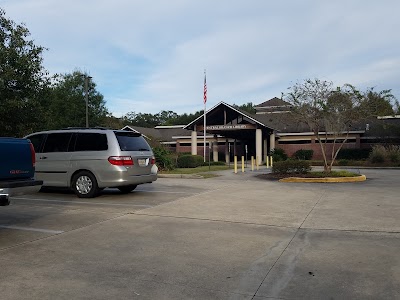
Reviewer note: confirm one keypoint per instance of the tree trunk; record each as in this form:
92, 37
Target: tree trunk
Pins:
327, 168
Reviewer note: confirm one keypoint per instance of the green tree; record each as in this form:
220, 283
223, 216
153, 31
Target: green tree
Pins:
141, 119
67, 103
248, 107
23, 80
381, 103
185, 118
328, 112
166, 117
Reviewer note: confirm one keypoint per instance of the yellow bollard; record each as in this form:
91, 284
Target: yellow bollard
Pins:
267, 161
242, 164
271, 161
235, 164
252, 163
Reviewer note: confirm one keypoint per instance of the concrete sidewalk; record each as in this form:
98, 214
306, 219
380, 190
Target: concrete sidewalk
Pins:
236, 237
321, 241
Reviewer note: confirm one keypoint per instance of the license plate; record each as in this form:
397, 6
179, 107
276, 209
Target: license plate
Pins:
143, 162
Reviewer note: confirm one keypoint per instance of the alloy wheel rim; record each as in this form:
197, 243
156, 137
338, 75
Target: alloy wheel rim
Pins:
84, 185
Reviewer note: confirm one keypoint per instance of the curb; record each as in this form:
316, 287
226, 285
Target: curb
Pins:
326, 179
186, 176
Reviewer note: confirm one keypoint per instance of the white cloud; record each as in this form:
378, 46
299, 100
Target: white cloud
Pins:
147, 56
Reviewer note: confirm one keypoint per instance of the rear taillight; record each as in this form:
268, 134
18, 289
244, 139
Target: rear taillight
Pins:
152, 160
33, 154
121, 160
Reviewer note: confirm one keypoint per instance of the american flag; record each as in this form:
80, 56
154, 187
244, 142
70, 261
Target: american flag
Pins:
205, 88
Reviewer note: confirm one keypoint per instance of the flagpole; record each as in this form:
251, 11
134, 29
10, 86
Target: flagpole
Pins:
205, 123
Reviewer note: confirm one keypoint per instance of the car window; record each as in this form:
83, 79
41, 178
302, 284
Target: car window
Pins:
37, 141
131, 141
91, 142
57, 142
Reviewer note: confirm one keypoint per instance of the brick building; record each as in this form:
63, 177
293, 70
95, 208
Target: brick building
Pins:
230, 131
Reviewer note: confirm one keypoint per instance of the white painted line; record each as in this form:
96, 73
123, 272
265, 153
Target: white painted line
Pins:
31, 229
82, 202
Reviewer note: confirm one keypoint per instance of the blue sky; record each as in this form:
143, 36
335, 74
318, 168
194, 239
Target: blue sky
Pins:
148, 56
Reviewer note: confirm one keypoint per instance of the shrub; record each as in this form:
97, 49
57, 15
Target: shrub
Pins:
163, 157
190, 161
184, 153
279, 154
291, 167
343, 162
354, 154
393, 153
303, 154
378, 154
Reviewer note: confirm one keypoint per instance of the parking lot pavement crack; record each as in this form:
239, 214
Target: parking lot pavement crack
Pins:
312, 208
284, 280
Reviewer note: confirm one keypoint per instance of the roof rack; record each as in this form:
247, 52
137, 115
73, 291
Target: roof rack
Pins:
88, 128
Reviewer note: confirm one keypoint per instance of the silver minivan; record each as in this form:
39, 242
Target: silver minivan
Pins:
90, 159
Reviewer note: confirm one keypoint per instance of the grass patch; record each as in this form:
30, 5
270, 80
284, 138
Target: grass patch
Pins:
201, 169
313, 174
341, 173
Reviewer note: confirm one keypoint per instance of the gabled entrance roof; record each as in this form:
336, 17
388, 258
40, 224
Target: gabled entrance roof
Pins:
225, 114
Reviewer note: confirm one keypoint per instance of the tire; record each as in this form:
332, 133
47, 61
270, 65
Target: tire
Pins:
84, 184
127, 188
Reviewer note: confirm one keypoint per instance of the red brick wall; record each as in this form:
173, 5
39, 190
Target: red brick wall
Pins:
290, 149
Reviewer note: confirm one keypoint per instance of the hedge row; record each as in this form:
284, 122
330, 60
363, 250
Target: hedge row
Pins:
303, 154
291, 167
190, 161
354, 154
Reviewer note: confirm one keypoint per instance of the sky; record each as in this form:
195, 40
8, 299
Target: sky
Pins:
149, 56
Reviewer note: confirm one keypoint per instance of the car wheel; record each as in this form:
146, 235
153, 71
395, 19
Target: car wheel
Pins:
127, 188
84, 184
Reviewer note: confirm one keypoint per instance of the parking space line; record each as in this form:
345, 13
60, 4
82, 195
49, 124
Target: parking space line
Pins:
32, 229
83, 202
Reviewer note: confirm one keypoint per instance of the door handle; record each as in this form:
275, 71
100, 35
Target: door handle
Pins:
43, 157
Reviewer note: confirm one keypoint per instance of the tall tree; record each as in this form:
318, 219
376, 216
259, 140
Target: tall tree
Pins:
381, 103
248, 107
166, 117
185, 118
23, 80
329, 113
67, 104
141, 119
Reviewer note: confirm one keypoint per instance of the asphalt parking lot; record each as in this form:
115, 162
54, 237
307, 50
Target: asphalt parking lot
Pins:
229, 237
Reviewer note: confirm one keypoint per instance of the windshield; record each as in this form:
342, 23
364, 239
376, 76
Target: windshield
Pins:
131, 141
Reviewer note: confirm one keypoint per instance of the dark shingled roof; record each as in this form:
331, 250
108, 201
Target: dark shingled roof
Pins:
281, 122
273, 102
161, 134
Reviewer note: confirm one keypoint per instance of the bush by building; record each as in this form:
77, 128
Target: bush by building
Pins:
291, 167
279, 154
382, 154
354, 154
303, 154
164, 158
190, 161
